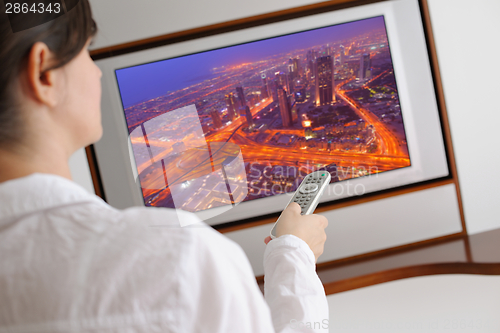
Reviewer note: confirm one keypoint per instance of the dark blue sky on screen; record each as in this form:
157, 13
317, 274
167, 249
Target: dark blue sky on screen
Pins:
144, 82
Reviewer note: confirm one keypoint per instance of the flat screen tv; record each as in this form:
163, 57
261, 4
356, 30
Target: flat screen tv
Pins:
227, 126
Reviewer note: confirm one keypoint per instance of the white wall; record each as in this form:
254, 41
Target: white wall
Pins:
123, 21
437, 303
466, 35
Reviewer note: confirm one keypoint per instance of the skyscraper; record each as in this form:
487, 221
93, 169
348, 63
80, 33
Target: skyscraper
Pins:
216, 118
241, 96
248, 115
325, 82
286, 115
300, 93
310, 62
289, 83
265, 88
365, 67
342, 55
296, 65
328, 50
309, 55
273, 86
263, 92
282, 81
232, 106
293, 69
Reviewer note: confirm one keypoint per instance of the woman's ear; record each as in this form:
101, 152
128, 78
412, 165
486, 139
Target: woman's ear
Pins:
42, 83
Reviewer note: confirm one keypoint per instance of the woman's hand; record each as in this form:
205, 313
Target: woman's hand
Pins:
309, 228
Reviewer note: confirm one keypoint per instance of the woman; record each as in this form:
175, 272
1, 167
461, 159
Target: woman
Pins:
70, 262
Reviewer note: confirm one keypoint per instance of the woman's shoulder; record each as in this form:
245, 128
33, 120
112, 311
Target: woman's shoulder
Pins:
177, 227
171, 232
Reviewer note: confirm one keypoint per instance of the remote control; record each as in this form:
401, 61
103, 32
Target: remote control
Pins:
308, 194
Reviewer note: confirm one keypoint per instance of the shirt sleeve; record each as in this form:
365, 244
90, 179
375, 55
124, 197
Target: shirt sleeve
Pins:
292, 288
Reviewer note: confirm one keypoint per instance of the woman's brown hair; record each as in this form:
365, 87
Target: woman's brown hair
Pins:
65, 36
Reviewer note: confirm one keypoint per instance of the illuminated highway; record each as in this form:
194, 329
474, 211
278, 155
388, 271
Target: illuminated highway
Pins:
387, 141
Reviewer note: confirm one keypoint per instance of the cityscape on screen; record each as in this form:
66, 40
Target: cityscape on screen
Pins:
324, 99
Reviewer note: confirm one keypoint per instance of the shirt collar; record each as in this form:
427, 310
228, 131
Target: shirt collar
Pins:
38, 192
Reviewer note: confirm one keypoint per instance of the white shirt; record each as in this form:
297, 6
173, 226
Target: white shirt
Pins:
71, 262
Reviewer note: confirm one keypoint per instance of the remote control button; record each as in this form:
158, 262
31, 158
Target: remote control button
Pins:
309, 188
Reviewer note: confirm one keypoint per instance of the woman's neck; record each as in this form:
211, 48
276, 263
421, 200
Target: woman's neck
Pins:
50, 159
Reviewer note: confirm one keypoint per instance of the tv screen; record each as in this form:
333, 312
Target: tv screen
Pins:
228, 125
325, 98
